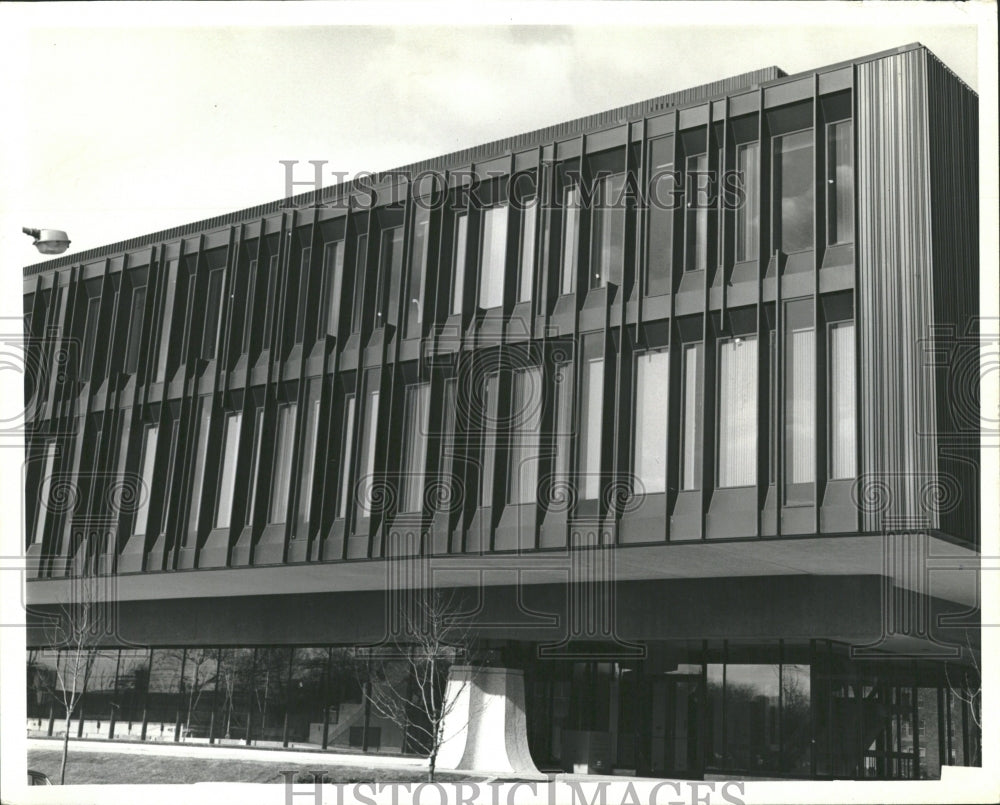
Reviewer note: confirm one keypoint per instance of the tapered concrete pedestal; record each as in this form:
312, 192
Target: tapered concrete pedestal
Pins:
484, 727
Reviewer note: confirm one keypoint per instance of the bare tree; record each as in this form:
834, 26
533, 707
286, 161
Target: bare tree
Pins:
969, 691
406, 680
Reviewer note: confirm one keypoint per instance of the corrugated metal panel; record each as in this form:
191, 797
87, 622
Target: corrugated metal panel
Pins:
479, 153
895, 294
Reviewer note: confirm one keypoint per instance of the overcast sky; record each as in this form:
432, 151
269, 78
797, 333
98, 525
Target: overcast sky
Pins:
121, 131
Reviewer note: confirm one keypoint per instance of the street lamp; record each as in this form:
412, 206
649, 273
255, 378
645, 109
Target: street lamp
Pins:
48, 241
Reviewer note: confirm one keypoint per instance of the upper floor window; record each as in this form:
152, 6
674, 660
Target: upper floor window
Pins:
306, 476
748, 211
458, 262
416, 435
213, 314
793, 191
284, 447
570, 238
692, 415
366, 466
488, 439
608, 232
45, 492
258, 444
92, 320
650, 459
591, 428
346, 454
526, 267
800, 401
200, 440
170, 294
843, 448
360, 270
840, 182
737, 425
333, 281
564, 423
305, 292
148, 464
270, 300
390, 275
660, 216
227, 476
137, 310
418, 272
698, 202
494, 255
526, 423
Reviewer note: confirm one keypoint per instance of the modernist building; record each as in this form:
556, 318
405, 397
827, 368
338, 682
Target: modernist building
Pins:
683, 397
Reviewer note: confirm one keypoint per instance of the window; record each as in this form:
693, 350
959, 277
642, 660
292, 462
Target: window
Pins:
45, 492
415, 448
347, 442
418, 273
449, 440
168, 311
308, 463
333, 281
564, 423
271, 300
526, 423
696, 182
227, 478
529, 218
494, 254
800, 402
360, 265
840, 182
258, 440
367, 464
488, 445
148, 464
305, 265
390, 275
651, 379
748, 212
90, 335
200, 439
793, 191
213, 314
843, 452
662, 187
248, 311
284, 447
591, 426
136, 314
168, 486
608, 232
458, 262
571, 237
692, 414
738, 411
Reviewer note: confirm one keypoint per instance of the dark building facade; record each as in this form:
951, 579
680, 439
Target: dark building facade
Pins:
682, 397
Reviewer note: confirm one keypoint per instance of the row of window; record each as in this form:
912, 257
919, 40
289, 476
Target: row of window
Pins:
350, 279
529, 423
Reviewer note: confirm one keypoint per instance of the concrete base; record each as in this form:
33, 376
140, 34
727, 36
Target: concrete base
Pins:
484, 727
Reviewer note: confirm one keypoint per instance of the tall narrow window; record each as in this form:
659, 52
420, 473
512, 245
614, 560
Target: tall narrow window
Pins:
591, 427
458, 262
201, 453
390, 275
800, 405
248, 310
333, 281
487, 453
570, 238
529, 217
283, 450
748, 212
136, 314
146, 493
449, 440
45, 491
258, 441
608, 232
698, 202
793, 190
415, 447
308, 463
168, 486
90, 336
346, 454
366, 466
692, 413
840, 182
738, 411
526, 424
168, 314
227, 478
271, 300
661, 205
843, 451
305, 292
651, 379
494, 254
213, 315
360, 265
564, 423
418, 273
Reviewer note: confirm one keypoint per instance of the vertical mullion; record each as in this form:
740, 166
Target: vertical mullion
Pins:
819, 331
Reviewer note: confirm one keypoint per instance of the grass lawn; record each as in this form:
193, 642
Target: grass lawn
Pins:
89, 768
